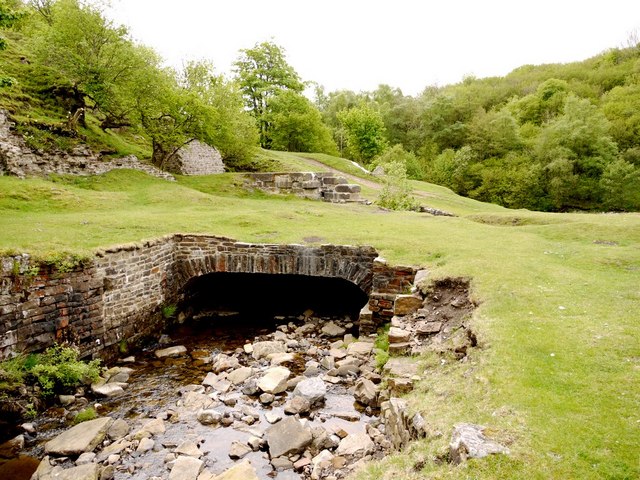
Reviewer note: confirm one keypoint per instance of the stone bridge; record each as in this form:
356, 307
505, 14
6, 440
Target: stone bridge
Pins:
118, 295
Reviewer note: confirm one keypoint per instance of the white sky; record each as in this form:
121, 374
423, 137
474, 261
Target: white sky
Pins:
359, 44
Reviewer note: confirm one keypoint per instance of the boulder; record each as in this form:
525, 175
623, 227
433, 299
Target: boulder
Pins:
81, 438
241, 471
239, 375
332, 330
366, 392
209, 417
398, 335
280, 358
223, 362
312, 389
171, 351
152, 427
355, 444
428, 328
468, 441
107, 389
89, 471
274, 380
188, 448
239, 450
286, 437
297, 405
186, 468
262, 349
118, 429
361, 349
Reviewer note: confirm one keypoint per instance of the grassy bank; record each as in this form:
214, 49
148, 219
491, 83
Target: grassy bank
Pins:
557, 374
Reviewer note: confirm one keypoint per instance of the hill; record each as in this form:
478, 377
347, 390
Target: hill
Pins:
556, 373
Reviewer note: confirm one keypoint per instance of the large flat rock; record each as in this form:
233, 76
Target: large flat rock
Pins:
186, 468
241, 471
287, 436
84, 437
274, 380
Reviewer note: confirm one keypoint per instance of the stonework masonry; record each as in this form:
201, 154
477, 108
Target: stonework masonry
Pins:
196, 158
18, 159
325, 186
117, 296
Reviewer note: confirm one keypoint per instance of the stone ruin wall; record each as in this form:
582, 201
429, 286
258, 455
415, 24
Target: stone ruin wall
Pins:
20, 160
325, 186
196, 158
118, 295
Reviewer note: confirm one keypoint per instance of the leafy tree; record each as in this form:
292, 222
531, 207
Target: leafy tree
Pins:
451, 168
262, 72
365, 132
620, 183
396, 192
494, 134
413, 166
622, 108
93, 58
296, 125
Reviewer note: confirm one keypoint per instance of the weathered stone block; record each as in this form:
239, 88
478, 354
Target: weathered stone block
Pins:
407, 304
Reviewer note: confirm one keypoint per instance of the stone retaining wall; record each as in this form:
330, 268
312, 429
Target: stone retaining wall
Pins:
318, 186
118, 295
18, 159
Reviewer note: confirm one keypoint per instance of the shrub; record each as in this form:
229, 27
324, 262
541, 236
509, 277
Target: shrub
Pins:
85, 415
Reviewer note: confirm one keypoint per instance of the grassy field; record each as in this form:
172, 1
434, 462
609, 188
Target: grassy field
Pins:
557, 374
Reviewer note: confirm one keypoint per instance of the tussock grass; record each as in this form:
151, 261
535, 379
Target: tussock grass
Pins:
557, 374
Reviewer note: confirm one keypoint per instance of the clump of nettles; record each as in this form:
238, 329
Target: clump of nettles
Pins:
56, 370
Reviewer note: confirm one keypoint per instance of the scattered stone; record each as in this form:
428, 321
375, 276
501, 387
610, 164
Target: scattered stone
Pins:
274, 380
428, 328
398, 335
267, 398
107, 389
171, 351
281, 463
400, 385
186, 468
366, 392
469, 441
89, 471
152, 427
196, 400
332, 330
145, 445
280, 358
361, 349
248, 348
239, 450
118, 429
300, 464
250, 387
312, 389
286, 437
272, 417
297, 405
255, 443
356, 444
188, 448
348, 416
262, 349
209, 417
66, 400
241, 471
85, 458
224, 362
29, 427
240, 375
114, 448
81, 438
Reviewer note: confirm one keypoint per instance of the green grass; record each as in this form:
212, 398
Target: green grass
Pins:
557, 374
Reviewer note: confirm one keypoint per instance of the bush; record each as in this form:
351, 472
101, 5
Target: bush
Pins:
85, 415
58, 368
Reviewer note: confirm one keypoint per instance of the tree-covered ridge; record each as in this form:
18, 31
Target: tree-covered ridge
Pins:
549, 137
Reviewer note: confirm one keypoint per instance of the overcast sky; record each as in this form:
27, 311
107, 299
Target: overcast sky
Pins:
359, 44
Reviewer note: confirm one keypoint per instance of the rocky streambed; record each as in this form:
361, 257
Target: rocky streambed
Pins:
299, 401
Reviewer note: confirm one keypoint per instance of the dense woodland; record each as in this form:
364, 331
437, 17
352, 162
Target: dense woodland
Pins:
549, 137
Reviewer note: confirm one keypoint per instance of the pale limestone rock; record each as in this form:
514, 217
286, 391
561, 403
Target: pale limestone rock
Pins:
398, 335
240, 375
81, 438
171, 351
262, 349
241, 471
312, 389
274, 380
189, 449
359, 348
356, 444
469, 441
332, 330
239, 450
186, 468
286, 437
366, 392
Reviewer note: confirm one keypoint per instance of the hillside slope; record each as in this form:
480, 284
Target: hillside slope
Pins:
557, 373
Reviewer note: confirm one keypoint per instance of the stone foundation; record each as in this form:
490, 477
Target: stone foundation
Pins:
317, 186
117, 296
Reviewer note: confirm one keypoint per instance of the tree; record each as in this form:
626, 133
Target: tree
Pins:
493, 133
620, 183
296, 125
93, 58
396, 192
364, 131
262, 72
